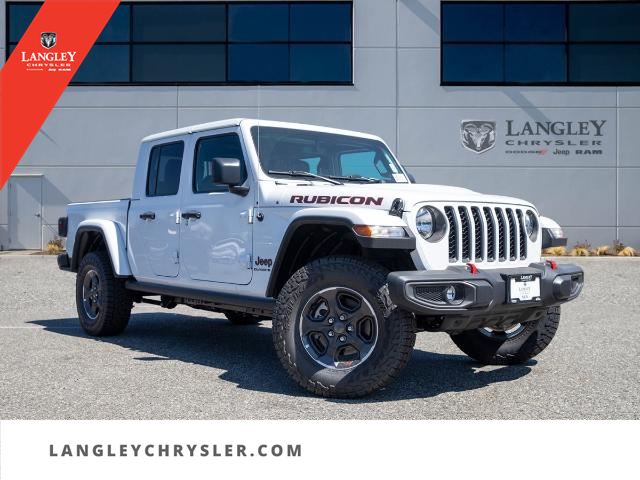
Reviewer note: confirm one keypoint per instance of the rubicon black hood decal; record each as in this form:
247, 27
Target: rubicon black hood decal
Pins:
336, 200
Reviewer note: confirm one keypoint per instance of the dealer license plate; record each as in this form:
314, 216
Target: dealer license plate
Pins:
524, 288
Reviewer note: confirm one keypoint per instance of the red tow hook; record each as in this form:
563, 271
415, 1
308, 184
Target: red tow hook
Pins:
552, 264
472, 268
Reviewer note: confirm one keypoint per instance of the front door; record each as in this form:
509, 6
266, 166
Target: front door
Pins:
154, 222
216, 236
25, 212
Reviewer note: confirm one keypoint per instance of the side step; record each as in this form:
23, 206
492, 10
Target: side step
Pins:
222, 301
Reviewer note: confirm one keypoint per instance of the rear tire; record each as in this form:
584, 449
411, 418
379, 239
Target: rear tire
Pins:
504, 348
103, 304
339, 341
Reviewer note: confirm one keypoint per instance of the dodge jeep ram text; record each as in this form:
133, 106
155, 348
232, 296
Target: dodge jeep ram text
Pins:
325, 233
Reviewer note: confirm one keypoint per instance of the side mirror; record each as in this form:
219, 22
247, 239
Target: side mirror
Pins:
412, 179
228, 171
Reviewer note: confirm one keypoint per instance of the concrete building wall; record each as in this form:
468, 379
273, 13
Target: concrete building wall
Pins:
87, 148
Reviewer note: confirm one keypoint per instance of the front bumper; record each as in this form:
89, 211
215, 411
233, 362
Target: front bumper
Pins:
483, 296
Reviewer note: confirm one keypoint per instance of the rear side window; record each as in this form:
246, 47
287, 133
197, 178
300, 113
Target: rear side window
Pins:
219, 146
165, 163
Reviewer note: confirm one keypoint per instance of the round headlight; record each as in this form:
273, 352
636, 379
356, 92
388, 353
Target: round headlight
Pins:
425, 222
530, 224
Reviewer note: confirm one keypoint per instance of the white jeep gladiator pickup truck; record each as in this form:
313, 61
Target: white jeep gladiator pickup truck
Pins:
324, 232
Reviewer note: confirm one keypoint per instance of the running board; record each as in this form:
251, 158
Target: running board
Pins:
222, 301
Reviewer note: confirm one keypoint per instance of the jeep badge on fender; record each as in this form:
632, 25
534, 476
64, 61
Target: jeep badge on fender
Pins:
348, 258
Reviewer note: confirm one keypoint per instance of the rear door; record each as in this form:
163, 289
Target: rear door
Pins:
154, 221
216, 238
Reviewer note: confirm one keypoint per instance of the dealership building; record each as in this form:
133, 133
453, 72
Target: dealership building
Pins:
538, 100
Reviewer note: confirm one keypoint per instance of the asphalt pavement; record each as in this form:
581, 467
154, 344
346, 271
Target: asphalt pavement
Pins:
187, 364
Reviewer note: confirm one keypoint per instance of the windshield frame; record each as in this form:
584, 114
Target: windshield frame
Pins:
373, 141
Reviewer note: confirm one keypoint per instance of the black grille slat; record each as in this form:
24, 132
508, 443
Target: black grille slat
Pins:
465, 234
513, 241
523, 236
477, 225
502, 246
453, 234
491, 234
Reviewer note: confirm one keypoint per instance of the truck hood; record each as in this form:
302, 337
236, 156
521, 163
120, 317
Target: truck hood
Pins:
374, 195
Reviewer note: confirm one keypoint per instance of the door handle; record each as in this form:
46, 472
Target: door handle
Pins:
191, 215
148, 216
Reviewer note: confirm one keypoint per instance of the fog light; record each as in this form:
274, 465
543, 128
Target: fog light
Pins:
450, 294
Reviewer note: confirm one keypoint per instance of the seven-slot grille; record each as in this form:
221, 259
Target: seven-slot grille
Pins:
486, 234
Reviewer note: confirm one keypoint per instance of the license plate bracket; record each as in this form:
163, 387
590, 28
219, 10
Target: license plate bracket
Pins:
523, 288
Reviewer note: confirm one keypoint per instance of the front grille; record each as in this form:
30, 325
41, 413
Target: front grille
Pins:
453, 234
464, 231
485, 234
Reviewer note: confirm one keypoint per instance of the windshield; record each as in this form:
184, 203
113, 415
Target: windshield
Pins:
329, 155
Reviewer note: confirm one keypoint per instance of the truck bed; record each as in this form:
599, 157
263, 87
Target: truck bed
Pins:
112, 210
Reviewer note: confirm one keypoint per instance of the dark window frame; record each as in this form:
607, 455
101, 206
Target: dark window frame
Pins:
227, 42
160, 146
567, 44
223, 188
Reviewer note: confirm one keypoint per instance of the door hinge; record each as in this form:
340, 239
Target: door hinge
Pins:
176, 257
250, 217
249, 262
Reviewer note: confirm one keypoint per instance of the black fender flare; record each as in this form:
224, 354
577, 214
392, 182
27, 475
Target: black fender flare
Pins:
407, 243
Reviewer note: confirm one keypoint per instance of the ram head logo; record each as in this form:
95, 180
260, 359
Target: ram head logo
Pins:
48, 39
478, 135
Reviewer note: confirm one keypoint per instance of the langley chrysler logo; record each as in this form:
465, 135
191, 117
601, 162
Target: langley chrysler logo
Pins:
48, 39
478, 135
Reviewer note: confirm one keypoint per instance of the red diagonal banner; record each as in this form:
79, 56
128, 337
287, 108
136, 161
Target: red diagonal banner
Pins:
41, 67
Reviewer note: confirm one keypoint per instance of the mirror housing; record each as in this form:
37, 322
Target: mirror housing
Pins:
412, 179
228, 171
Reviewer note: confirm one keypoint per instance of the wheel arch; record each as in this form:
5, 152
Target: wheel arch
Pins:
101, 234
337, 238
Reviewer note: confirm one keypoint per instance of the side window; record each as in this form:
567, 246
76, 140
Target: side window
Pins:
163, 176
208, 148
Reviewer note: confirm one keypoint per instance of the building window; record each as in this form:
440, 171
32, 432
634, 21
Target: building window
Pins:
540, 43
214, 43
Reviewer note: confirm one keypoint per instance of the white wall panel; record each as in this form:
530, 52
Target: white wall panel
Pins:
418, 23
629, 121
629, 97
95, 136
121, 96
628, 198
4, 205
374, 23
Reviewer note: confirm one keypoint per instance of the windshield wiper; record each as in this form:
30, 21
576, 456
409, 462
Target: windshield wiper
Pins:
357, 178
300, 173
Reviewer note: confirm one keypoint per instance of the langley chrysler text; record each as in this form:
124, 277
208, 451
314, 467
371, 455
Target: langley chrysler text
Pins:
323, 231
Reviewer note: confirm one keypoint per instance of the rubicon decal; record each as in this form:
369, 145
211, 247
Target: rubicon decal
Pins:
336, 200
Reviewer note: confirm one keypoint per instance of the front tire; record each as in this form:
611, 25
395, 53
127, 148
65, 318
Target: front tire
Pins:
510, 347
336, 331
103, 304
